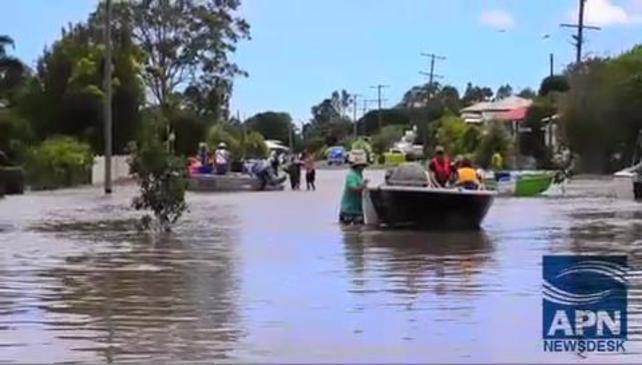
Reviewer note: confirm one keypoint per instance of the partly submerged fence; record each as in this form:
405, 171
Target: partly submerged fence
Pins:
119, 169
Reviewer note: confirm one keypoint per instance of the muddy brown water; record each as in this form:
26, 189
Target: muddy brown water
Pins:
271, 277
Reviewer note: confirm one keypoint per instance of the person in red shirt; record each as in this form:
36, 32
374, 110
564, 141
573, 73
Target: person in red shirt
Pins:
441, 168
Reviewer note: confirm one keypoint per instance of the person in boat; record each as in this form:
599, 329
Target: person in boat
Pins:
351, 203
440, 168
222, 159
203, 165
467, 176
294, 171
310, 171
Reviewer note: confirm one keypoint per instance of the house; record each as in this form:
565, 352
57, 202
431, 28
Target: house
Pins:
485, 111
512, 111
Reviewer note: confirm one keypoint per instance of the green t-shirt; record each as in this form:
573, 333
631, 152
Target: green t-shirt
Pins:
351, 200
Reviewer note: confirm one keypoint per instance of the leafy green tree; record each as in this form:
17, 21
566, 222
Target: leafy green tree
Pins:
254, 145
328, 122
503, 92
450, 131
388, 135
190, 130
556, 83
494, 139
272, 125
58, 162
527, 93
475, 94
188, 42
12, 72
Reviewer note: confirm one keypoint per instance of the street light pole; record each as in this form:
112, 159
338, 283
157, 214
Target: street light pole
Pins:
354, 114
108, 96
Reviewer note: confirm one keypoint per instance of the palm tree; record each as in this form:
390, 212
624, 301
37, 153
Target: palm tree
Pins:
11, 69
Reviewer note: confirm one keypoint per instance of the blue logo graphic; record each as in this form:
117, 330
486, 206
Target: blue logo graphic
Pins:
584, 303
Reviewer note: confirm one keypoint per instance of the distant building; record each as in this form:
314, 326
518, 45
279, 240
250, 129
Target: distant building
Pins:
485, 111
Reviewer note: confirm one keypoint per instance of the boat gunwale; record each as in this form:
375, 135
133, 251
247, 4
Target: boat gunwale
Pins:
422, 189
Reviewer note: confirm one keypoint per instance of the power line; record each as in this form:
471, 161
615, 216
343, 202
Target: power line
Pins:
579, 38
432, 75
379, 87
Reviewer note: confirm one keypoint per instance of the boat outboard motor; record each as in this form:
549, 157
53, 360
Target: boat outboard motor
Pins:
407, 174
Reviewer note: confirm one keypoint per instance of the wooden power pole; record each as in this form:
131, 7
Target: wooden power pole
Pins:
108, 92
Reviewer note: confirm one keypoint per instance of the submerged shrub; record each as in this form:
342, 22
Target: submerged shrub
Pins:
161, 176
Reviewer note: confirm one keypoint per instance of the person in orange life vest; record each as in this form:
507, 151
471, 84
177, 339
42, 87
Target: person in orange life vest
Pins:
467, 176
440, 167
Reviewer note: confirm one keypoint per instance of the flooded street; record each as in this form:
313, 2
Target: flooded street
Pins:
271, 277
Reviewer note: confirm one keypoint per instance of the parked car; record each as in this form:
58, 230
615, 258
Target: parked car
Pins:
337, 155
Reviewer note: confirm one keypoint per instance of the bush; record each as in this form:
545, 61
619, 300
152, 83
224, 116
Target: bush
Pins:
254, 146
382, 141
218, 134
495, 139
190, 131
58, 162
161, 176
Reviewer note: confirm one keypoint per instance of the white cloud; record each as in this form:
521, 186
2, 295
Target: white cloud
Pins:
497, 18
605, 13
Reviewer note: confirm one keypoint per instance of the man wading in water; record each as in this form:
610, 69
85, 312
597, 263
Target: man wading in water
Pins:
351, 205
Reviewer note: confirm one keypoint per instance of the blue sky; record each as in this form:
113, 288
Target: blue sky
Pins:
301, 50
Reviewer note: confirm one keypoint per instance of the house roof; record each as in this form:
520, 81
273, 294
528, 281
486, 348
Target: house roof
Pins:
511, 115
506, 104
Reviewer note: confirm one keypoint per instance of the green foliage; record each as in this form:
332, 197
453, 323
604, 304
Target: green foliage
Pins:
601, 113
218, 134
503, 92
532, 143
254, 145
187, 42
272, 125
329, 121
189, 131
527, 93
494, 139
475, 94
161, 177
66, 97
58, 162
383, 140
12, 72
15, 133
556, 83
457, 136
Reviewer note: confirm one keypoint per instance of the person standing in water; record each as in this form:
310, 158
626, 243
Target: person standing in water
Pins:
310, 172
351, 202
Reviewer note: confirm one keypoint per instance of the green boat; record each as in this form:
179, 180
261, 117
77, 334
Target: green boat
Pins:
520, 184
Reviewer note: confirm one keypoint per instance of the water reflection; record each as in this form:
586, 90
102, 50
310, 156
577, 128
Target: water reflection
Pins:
137, 296
415, 262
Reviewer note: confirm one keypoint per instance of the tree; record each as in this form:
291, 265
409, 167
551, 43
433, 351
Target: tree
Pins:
494, 139
556, 83
272, 125
388, 135
187, 42
450, 131
12, 71
503, 92
527, 93
327, 121
475, 94
600, 113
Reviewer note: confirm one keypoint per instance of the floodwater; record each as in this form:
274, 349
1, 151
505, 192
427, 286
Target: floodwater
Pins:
270, 277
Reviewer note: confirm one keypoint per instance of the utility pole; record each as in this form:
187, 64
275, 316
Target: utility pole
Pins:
379, 87
354, 115
107, 106
579, 38
551, 60
432, 75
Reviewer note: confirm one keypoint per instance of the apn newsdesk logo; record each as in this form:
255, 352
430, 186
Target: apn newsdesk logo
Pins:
584, 304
